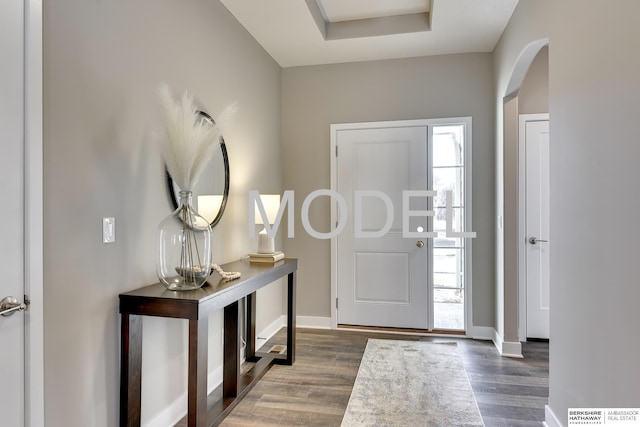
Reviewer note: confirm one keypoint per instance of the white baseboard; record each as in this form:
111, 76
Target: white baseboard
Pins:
497, 340
550, 418
170, 415
313, 322
512, 349
178, 409
480, 332
507, 348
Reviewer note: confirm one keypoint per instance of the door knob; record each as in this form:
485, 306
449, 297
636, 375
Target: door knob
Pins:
9, 305
420, 244
534, 240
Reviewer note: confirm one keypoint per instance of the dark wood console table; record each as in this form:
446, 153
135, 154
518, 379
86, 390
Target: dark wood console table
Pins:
196, 306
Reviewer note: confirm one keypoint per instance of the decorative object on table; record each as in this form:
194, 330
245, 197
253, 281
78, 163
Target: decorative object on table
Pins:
184, 252
268, 258
271, 205
211, 192
184, 237
226, 275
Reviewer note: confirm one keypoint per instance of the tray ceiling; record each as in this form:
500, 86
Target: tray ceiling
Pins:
310, 32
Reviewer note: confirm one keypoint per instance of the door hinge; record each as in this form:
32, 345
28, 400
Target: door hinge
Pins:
336, 151
336, 303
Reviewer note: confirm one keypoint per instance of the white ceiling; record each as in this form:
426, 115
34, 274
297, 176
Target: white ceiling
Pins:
286, 29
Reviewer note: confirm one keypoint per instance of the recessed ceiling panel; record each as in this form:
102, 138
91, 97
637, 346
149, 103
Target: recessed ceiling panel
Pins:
349, 10
288, 30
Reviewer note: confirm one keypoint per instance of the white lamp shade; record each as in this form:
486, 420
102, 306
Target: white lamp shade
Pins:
271, 204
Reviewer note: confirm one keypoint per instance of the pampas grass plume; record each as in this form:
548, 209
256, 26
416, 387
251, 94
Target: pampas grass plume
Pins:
189, 141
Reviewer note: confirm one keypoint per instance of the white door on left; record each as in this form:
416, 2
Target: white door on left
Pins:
12, 412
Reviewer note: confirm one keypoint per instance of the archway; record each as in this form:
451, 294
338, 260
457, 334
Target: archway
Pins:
513, 297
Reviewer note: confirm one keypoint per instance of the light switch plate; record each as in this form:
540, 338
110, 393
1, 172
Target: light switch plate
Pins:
108, 230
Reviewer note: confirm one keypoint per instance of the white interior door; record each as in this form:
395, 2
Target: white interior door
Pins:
382, 277
537, 227
11, 214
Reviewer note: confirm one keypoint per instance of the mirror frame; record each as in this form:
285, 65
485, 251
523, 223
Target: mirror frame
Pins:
225, 194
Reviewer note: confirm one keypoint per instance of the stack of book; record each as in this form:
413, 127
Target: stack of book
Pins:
266, 257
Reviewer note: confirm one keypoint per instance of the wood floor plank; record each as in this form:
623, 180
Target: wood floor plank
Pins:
508, 400
511, 412
316, 406
509, 379
509, 389
505, 422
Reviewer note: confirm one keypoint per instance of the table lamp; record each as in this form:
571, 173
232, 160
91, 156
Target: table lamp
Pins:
271, 204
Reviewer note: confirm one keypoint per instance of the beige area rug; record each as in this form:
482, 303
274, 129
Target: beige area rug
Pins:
411, 383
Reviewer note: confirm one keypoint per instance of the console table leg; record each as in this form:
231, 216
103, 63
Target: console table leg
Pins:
130, 369
250, 350
231, 364
197, 387
291, 318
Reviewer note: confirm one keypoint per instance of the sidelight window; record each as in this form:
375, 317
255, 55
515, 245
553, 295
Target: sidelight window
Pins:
448, 171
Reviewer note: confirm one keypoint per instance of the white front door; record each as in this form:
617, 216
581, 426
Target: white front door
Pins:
537, 239
382, 277
11, 214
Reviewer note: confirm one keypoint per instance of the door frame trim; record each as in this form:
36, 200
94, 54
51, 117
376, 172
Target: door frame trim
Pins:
33, 213
522, 209
468, 295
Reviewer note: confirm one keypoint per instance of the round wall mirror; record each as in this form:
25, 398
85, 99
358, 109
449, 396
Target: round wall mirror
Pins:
212, 190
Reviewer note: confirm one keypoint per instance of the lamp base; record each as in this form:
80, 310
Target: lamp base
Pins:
266, 244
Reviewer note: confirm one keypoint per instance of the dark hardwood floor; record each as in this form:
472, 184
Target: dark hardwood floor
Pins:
316, 389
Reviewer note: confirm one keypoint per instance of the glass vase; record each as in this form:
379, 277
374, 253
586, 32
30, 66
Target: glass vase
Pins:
184, 247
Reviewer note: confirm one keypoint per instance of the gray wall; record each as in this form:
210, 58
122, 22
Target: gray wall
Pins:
507, 296
440, 86
594, 151
594, 270
533, 96
103, 63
